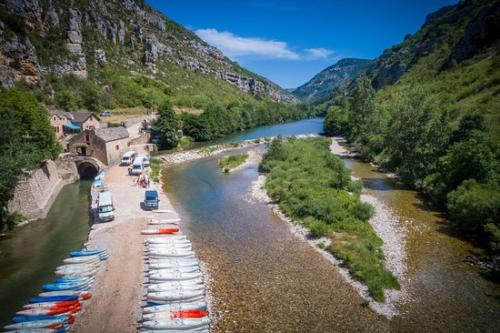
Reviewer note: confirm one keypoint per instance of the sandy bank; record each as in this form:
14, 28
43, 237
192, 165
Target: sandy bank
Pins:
195, 154
118, 290
393, 234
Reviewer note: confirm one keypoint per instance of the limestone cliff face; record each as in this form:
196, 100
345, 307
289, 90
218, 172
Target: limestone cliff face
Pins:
39, 37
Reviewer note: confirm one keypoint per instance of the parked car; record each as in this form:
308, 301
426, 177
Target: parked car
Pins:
151, 200
128, 157
136, 168
105, 207
144, 159
106, 114
156, 139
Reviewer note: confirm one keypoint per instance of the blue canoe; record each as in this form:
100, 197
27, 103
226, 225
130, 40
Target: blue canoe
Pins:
83, 253
62, 298
64, 286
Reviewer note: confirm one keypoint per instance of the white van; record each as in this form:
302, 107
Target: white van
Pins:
128, 157
137, 167
144, 159
105, 207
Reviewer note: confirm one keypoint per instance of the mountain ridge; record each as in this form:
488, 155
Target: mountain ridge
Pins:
40, 38
321, 84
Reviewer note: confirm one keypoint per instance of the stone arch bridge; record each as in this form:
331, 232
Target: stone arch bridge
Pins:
88, 167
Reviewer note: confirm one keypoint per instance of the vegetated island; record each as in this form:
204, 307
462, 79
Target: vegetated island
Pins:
315, 189
229, 163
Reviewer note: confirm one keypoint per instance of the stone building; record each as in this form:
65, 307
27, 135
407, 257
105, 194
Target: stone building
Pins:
105, 144
65, 123
86, 120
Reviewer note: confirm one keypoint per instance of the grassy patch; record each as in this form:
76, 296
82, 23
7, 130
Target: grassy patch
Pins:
314, 188
230, 162
155, 169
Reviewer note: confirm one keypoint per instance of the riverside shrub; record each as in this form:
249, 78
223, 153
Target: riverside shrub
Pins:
314, 188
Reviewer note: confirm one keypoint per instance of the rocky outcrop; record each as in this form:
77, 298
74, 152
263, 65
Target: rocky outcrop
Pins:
389, 75
123, 33
482, 32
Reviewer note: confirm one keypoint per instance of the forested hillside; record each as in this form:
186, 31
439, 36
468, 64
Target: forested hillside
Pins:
428, 108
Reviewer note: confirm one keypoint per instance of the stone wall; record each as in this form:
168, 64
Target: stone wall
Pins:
35, 193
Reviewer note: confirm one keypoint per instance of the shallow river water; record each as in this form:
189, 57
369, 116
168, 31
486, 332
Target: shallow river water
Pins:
264, 279
29, 256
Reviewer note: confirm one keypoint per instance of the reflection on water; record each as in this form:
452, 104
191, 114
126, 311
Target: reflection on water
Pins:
29, 256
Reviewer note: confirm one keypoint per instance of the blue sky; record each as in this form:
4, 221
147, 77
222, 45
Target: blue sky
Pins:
290, 41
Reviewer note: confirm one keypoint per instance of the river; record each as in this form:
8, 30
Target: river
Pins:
30, 254
264, 279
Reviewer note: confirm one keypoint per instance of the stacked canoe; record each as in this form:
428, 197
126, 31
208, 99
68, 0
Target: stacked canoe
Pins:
55, 308
175, 291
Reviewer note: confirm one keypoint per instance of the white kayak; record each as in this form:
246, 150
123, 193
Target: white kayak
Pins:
181, 282
165, 238
173, 270
64, 293
171, 252
161, 211
81, 260
41, 312
176, 324
169, 243
203, 329
185, 247
80, 266
155, 288
76, 274
167, 246
43, 305
174, 295
176, 306
174, 221
173, 264
174, 277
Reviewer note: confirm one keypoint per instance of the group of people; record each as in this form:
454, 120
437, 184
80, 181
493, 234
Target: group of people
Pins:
142, 181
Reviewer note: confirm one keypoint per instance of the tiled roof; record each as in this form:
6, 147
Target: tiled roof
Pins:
81, 117
112, 133
60, 113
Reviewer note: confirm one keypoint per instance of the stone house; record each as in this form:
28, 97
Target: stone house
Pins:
86, 120
72, 122
105, 144
59, 120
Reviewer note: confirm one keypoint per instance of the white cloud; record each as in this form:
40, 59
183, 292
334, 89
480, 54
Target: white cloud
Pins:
235, 46
318, 53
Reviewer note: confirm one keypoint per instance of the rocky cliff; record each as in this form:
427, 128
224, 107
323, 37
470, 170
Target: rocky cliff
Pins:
450, 35
322, 84
39, 38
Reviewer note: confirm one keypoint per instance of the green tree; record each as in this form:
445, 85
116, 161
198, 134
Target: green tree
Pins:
335, 122
167, 125
26, 139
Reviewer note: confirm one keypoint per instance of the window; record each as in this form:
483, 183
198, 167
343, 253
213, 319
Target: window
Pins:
117, 147
87, 139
